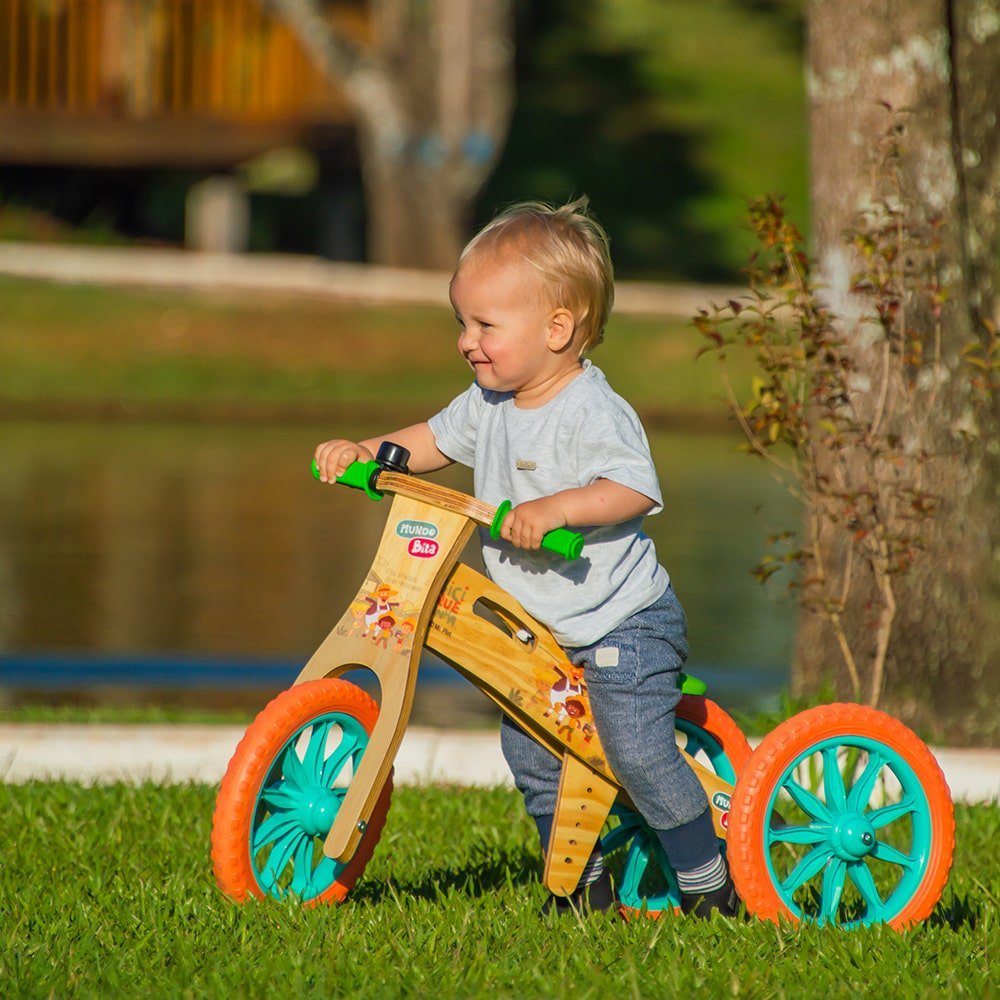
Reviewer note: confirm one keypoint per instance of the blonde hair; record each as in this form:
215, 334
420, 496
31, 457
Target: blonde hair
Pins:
568, 247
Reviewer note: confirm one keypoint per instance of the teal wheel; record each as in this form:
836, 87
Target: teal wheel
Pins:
842, 817
283, 790
645, 880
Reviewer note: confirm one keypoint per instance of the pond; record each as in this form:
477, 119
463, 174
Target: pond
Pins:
187, 557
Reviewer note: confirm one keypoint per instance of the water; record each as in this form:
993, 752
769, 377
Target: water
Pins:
205, 559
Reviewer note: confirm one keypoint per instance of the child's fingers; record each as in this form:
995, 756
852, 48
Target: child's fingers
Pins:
521, 531
324, 453
333, 457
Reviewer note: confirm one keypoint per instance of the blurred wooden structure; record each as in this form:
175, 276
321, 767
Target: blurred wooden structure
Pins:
166, 83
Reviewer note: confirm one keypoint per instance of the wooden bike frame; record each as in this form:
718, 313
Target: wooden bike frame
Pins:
418, 594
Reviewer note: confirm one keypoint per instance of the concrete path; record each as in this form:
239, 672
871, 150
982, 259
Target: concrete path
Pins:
299, 275
179, 753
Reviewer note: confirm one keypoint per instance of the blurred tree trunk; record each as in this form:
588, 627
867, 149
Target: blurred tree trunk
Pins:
432, 91
940, 62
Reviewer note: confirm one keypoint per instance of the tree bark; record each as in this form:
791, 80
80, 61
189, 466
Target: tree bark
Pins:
941, 62
433, 94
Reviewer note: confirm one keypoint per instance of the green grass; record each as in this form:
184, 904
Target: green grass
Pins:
64, 345
138, 714
108, 891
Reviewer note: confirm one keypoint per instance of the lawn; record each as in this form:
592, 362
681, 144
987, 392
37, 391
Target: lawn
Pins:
108, 891
66, 348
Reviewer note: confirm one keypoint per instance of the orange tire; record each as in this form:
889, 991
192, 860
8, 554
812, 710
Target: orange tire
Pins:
646, 884
281, 793
704, 715
842, 817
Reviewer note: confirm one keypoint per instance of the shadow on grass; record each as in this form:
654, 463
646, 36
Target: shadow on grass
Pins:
957, 912
485, 872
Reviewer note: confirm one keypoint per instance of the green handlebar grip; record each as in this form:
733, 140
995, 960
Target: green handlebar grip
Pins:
692, 685
358, 475
568, 544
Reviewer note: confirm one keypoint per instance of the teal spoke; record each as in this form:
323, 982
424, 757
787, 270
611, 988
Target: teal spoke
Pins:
635, 869
806, 801
833, 886
324, 874
889, 814
694, 744
833, 781
617, 836
302, 874
281, 854
861, 876
812, 834
334, 764
276, 825
862, 790
312, 760
886, 852
807, 867
291, 767
279, 797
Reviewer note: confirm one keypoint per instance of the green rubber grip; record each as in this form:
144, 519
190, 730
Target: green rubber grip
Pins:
562, 541
692, 685
358, 475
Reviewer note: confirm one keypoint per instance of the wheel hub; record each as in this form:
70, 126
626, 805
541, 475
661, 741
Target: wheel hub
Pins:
853, 837
318, 811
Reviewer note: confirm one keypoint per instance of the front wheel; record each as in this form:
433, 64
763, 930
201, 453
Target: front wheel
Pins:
282, 791
842, 817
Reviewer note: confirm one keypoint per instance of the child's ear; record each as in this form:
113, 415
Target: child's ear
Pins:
562, 326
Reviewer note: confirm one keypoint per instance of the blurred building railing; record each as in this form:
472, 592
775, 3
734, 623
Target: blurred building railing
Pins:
165, 62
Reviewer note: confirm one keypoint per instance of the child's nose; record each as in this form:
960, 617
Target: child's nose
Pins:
467, 340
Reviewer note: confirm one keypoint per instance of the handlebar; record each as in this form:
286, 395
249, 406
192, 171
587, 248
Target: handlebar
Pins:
568, 544
358, 475
362, 476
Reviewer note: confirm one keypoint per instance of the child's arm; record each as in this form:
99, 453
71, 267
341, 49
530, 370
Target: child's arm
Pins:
332, 457
602, 502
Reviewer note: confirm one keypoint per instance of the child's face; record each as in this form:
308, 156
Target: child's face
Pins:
510, 338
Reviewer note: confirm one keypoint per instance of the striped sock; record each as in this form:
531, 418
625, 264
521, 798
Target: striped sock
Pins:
705, 878
593, 870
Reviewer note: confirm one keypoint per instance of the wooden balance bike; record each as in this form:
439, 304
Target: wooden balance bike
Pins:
841, 815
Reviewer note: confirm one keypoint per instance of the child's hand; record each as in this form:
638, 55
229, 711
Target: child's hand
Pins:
525, 525
333, 457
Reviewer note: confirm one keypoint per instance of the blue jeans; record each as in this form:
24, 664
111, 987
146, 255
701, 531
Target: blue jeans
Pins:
633, 680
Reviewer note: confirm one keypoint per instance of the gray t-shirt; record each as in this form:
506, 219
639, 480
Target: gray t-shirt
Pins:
587, 432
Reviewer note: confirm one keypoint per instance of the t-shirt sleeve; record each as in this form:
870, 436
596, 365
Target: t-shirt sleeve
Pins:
456, 427
613, 445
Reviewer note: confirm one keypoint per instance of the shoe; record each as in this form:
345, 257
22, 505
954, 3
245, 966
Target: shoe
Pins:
594, 898
723, 900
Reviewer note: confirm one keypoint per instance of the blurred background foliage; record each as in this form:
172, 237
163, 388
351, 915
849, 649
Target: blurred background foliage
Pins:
668, 115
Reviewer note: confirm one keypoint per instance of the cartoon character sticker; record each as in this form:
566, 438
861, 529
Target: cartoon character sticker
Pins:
357, 611
567, 698
377, 613
405, 630
379, 606
383, 630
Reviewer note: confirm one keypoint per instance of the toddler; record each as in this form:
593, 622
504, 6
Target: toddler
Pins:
541, 426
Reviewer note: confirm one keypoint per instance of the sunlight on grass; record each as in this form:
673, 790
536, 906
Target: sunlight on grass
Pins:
108, 891
61, 344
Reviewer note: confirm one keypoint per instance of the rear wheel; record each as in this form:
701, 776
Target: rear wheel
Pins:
646, 882
842, 817
283, 789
